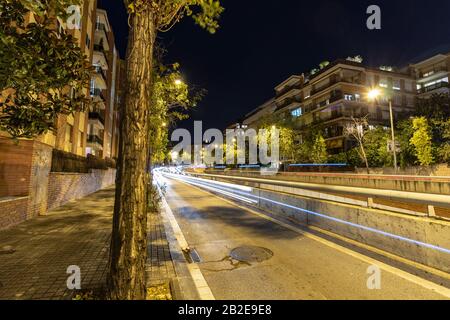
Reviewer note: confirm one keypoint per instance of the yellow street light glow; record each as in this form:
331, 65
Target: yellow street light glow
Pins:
178, 82
373, 94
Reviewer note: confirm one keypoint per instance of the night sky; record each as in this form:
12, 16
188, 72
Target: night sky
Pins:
261, 43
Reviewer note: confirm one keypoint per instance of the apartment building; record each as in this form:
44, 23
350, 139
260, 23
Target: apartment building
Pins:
27, 185
432, 75
103, 115
71, 130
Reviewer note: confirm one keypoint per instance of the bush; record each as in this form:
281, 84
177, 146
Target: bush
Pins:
68, 162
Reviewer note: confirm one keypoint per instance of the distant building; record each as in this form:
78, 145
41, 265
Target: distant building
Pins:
432, 75
330, 98
103, 115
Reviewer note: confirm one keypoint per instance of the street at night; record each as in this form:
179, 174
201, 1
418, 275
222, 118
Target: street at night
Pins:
225, 159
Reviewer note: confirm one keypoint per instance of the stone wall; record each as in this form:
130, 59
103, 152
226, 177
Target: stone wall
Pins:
439, 170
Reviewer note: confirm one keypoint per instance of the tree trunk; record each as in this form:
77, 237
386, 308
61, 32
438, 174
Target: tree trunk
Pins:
126, 280
365, 159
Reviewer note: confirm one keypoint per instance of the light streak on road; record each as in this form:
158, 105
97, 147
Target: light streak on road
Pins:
231, 190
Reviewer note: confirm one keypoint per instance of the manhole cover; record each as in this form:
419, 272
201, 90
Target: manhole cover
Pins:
251, 254
7, 250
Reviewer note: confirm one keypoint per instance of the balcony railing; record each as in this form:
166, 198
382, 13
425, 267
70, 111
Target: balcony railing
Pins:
432, 72
100, 71
434, 87
289, 101
97, 115
95, 139
96, 92
101, 27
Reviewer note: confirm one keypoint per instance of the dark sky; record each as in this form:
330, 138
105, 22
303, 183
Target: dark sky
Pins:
261, 43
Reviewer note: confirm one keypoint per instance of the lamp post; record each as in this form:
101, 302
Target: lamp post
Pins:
373, 95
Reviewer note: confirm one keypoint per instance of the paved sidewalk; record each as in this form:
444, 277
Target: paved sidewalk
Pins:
35, 255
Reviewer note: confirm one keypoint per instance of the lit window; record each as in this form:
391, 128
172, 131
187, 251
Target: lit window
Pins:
383, 83
297, 112
396, 85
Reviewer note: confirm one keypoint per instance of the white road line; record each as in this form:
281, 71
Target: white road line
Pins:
400, 273
201, 285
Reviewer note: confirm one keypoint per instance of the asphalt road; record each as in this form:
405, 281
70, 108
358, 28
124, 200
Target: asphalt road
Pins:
301, 268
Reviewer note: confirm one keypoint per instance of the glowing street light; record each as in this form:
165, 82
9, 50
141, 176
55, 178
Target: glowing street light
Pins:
373, 95
178, 82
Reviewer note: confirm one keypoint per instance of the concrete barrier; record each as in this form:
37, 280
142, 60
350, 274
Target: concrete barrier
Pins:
435, 185
391, 234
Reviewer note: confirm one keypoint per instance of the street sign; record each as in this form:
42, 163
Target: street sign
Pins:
390, 146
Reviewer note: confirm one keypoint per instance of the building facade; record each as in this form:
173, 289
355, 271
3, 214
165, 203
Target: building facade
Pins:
28, 187
327, 100
432, 75
103, 114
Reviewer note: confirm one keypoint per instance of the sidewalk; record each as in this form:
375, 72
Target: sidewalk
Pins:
35, 255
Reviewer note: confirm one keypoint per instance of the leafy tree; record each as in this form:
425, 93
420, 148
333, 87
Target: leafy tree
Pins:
376, 142
421, 140
443, 150
43, 69
171, 99
404, 135
285, 126
319, 150
126, 279
357, 130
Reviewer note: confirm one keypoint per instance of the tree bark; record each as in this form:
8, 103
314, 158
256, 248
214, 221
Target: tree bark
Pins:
126, 279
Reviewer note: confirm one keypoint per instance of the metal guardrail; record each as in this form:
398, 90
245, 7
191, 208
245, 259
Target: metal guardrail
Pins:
432, 200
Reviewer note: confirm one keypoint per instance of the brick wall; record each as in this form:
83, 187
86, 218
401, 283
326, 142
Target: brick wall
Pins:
15, 167
13, 211
27, 187
64, 187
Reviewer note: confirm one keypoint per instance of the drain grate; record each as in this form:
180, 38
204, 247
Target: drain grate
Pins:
192, 255
251, 254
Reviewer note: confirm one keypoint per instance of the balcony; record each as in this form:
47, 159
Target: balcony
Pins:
288, 102
433, 72
95, 139
97, 115
433, 87
100, 72
97, 93
102, 32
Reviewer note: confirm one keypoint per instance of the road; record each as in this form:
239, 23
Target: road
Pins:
301, 268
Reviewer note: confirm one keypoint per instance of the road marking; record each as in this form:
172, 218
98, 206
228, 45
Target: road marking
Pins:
201, 285
398, 272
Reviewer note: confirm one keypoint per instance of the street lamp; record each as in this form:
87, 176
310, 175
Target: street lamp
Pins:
178, 82
373, 95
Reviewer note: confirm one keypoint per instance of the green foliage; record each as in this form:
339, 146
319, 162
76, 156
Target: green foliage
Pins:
319, 150
171, 99
375, 143
407, 155
421, 140
205, 13
39, 66
443, 149
285, 125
